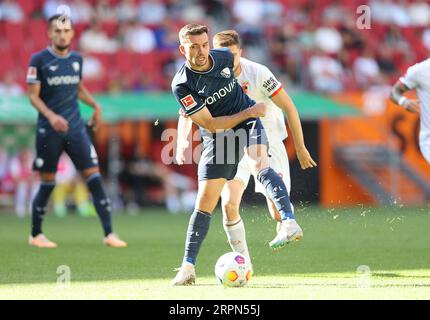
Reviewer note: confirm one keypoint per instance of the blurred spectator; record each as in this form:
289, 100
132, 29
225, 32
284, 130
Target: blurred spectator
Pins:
81, 11
426, 38
92, 68
366, 69
419, 11
24, 181
249, 12
386, 62
326, 73
138, 38
50, 7
328, 39
249, 15
272, 12
104, 12
11, 11
334, 12
68, 182
152, 11
8, 87
394, 38
96, 40
388, 11
191, 12
351, 38
166, 35
127, 10
299, 15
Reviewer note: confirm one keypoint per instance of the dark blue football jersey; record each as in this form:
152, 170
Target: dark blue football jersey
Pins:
216, 89
59, 78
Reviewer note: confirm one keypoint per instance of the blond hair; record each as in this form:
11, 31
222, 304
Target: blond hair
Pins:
227, 38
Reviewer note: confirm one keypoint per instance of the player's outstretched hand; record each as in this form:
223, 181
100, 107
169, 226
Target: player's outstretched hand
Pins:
96, 119
305, 159
58, 123
180, 152
412, 105
258, 110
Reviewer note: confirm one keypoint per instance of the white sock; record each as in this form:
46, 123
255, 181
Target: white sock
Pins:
236, 235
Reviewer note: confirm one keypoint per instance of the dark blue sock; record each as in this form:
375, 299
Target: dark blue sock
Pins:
101, 201
197, 230
277, 191
39, 206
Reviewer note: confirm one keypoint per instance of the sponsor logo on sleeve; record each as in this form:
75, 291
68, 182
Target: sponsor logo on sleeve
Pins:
32, 73
188, 102
271, 84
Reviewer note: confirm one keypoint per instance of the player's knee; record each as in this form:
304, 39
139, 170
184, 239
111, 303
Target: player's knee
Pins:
47, 176
88, 172
230, 210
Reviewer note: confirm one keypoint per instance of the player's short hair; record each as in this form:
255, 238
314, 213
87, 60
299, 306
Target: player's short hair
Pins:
227, 38
59, 17
192, 29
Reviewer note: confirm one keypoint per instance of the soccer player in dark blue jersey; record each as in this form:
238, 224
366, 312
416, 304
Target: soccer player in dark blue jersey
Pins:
54, 81
209, 94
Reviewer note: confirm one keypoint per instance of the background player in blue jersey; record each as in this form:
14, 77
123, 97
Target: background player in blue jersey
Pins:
54, 80
209, 94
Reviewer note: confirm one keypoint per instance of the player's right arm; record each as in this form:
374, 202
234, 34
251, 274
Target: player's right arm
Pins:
203, 118
184, 128
407, 82
57, 122
398, 98
195, 108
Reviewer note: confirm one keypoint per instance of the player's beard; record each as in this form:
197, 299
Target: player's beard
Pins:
199, 63
62, 48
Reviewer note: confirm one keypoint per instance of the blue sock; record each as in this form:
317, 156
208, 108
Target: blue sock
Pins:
197, 230
39, 206
101, 201
277, 191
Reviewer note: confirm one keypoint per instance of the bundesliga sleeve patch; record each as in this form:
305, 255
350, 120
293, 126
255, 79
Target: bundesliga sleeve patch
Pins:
188, 102
32, 73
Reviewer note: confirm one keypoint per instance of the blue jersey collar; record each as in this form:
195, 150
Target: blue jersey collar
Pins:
51, 51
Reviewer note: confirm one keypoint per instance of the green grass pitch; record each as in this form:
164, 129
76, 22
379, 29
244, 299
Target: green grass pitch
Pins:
392, 244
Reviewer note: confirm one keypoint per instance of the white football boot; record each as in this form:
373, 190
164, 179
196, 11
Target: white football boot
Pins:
289, 231
186, 275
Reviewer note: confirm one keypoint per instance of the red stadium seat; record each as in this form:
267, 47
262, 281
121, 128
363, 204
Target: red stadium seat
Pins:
28, 7
15, 35
37, 32
110, 28
7, 62
24, 58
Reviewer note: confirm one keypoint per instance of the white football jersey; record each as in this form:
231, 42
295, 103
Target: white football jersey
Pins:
418, 77
259, 83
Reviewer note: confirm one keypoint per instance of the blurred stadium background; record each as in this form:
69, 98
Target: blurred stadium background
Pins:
338, 75
367, 203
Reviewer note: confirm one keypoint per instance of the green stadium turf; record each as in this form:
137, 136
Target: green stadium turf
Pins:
392, 243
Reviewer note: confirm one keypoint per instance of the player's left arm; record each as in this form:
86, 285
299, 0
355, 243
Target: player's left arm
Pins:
86, 97
283, 101
398, 98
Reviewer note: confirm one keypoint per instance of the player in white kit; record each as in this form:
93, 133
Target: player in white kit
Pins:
259, 83
417, 77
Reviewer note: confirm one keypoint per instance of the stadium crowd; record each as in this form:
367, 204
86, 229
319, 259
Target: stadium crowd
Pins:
131, 45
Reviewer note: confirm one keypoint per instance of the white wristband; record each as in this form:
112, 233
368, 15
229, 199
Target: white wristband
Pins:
402, 101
